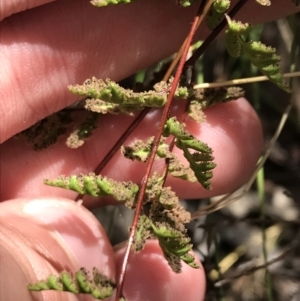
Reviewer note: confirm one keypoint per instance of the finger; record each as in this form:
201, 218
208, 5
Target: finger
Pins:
44, 236
148, 277
8, 7
232, 130
47, 48
50, 47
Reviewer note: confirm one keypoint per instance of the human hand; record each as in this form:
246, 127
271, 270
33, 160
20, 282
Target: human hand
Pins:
42, 236
45, 49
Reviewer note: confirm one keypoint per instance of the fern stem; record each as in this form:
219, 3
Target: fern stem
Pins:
152, 157
200, 51
202, 11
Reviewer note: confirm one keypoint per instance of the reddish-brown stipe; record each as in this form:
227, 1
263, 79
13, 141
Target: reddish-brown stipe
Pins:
152, 156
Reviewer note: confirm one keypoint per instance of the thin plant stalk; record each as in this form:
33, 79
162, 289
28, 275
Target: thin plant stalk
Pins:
260, 183
242, 81
202, 12
157, 138
225, 201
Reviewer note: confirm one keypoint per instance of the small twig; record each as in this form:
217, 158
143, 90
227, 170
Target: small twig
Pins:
242, 81
272, 234
260, 183
224, 200
258, 267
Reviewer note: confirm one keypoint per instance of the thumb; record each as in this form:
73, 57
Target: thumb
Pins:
40, 237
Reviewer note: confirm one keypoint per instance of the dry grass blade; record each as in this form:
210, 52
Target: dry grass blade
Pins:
242, 81
226, 200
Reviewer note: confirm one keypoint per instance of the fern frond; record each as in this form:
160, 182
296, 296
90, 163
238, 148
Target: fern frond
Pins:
110, 91
100, 287
177, 129
175, 246
171, 234
260, 55
216, 13
97, 186
237, 27
107, 96
140, 151
83, 131
200, 161
206, 98
101, 3
47, 131
143, 232
185, 141
104, 107
185, 3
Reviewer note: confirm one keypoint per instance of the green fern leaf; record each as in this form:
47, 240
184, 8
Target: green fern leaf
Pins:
110, 91
185, 141
185, 3
260, 55
216, 13
103, 107
140, 151
175, 246
100, 287
97, 186
232, 44
101, 3
143, 232
238, 28
83, 132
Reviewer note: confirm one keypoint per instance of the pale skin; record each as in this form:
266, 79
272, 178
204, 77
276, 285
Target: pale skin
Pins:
45, 47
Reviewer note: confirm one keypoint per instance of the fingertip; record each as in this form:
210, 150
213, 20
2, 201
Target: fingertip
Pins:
75, 229
21, 265
149, 277
9, 8
46, 236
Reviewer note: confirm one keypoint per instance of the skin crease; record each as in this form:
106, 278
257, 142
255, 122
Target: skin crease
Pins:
44, 49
